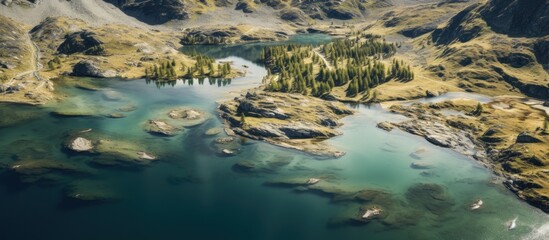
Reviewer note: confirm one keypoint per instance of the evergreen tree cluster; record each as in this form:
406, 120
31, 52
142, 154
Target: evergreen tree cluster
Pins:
220, 82
204, 66
202, 39
165, 70
299, 69
358, 49
401, 71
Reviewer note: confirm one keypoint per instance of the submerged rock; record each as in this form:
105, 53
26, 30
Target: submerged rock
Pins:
111, 151
127, 108
116, 152
189, 117
17, 115
26, 149
34, 170
226, 146
86, 191
68, 113
146, 156
263, 163
111, 95
419, 165
476, 205
116, 115
430, 196
418, 154
213, 131
371, 213
245, 166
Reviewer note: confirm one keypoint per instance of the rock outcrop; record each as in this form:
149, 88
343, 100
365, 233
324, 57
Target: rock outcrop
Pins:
88, 68
82, 42
80, 144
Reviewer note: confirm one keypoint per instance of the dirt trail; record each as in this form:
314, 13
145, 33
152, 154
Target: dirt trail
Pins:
36, 66
328, 64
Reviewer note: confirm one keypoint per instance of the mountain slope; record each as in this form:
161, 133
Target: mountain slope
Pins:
497, 46
162, 11
92, 11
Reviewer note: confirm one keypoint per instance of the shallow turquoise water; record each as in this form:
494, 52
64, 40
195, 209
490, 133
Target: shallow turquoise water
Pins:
193, 193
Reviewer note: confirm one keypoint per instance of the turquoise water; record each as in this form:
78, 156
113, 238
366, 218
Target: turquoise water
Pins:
194, 193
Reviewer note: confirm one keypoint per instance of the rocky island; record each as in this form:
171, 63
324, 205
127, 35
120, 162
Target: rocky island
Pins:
288, 120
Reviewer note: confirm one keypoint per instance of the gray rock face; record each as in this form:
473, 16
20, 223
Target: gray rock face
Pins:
440, 135
301, 132
517, 17
265, 110
526, 137
87, 68
154, 11
328, 122
266, 131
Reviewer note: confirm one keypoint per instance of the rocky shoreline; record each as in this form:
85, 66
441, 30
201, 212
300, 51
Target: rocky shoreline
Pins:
498, 136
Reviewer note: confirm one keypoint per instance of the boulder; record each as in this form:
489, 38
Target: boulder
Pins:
493, 135
80, 144
418, 165
87, 68
430, 94
244, 6
213, 131
385, 126
6, 65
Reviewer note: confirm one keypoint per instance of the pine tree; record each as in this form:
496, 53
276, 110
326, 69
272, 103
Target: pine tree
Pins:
478, 110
